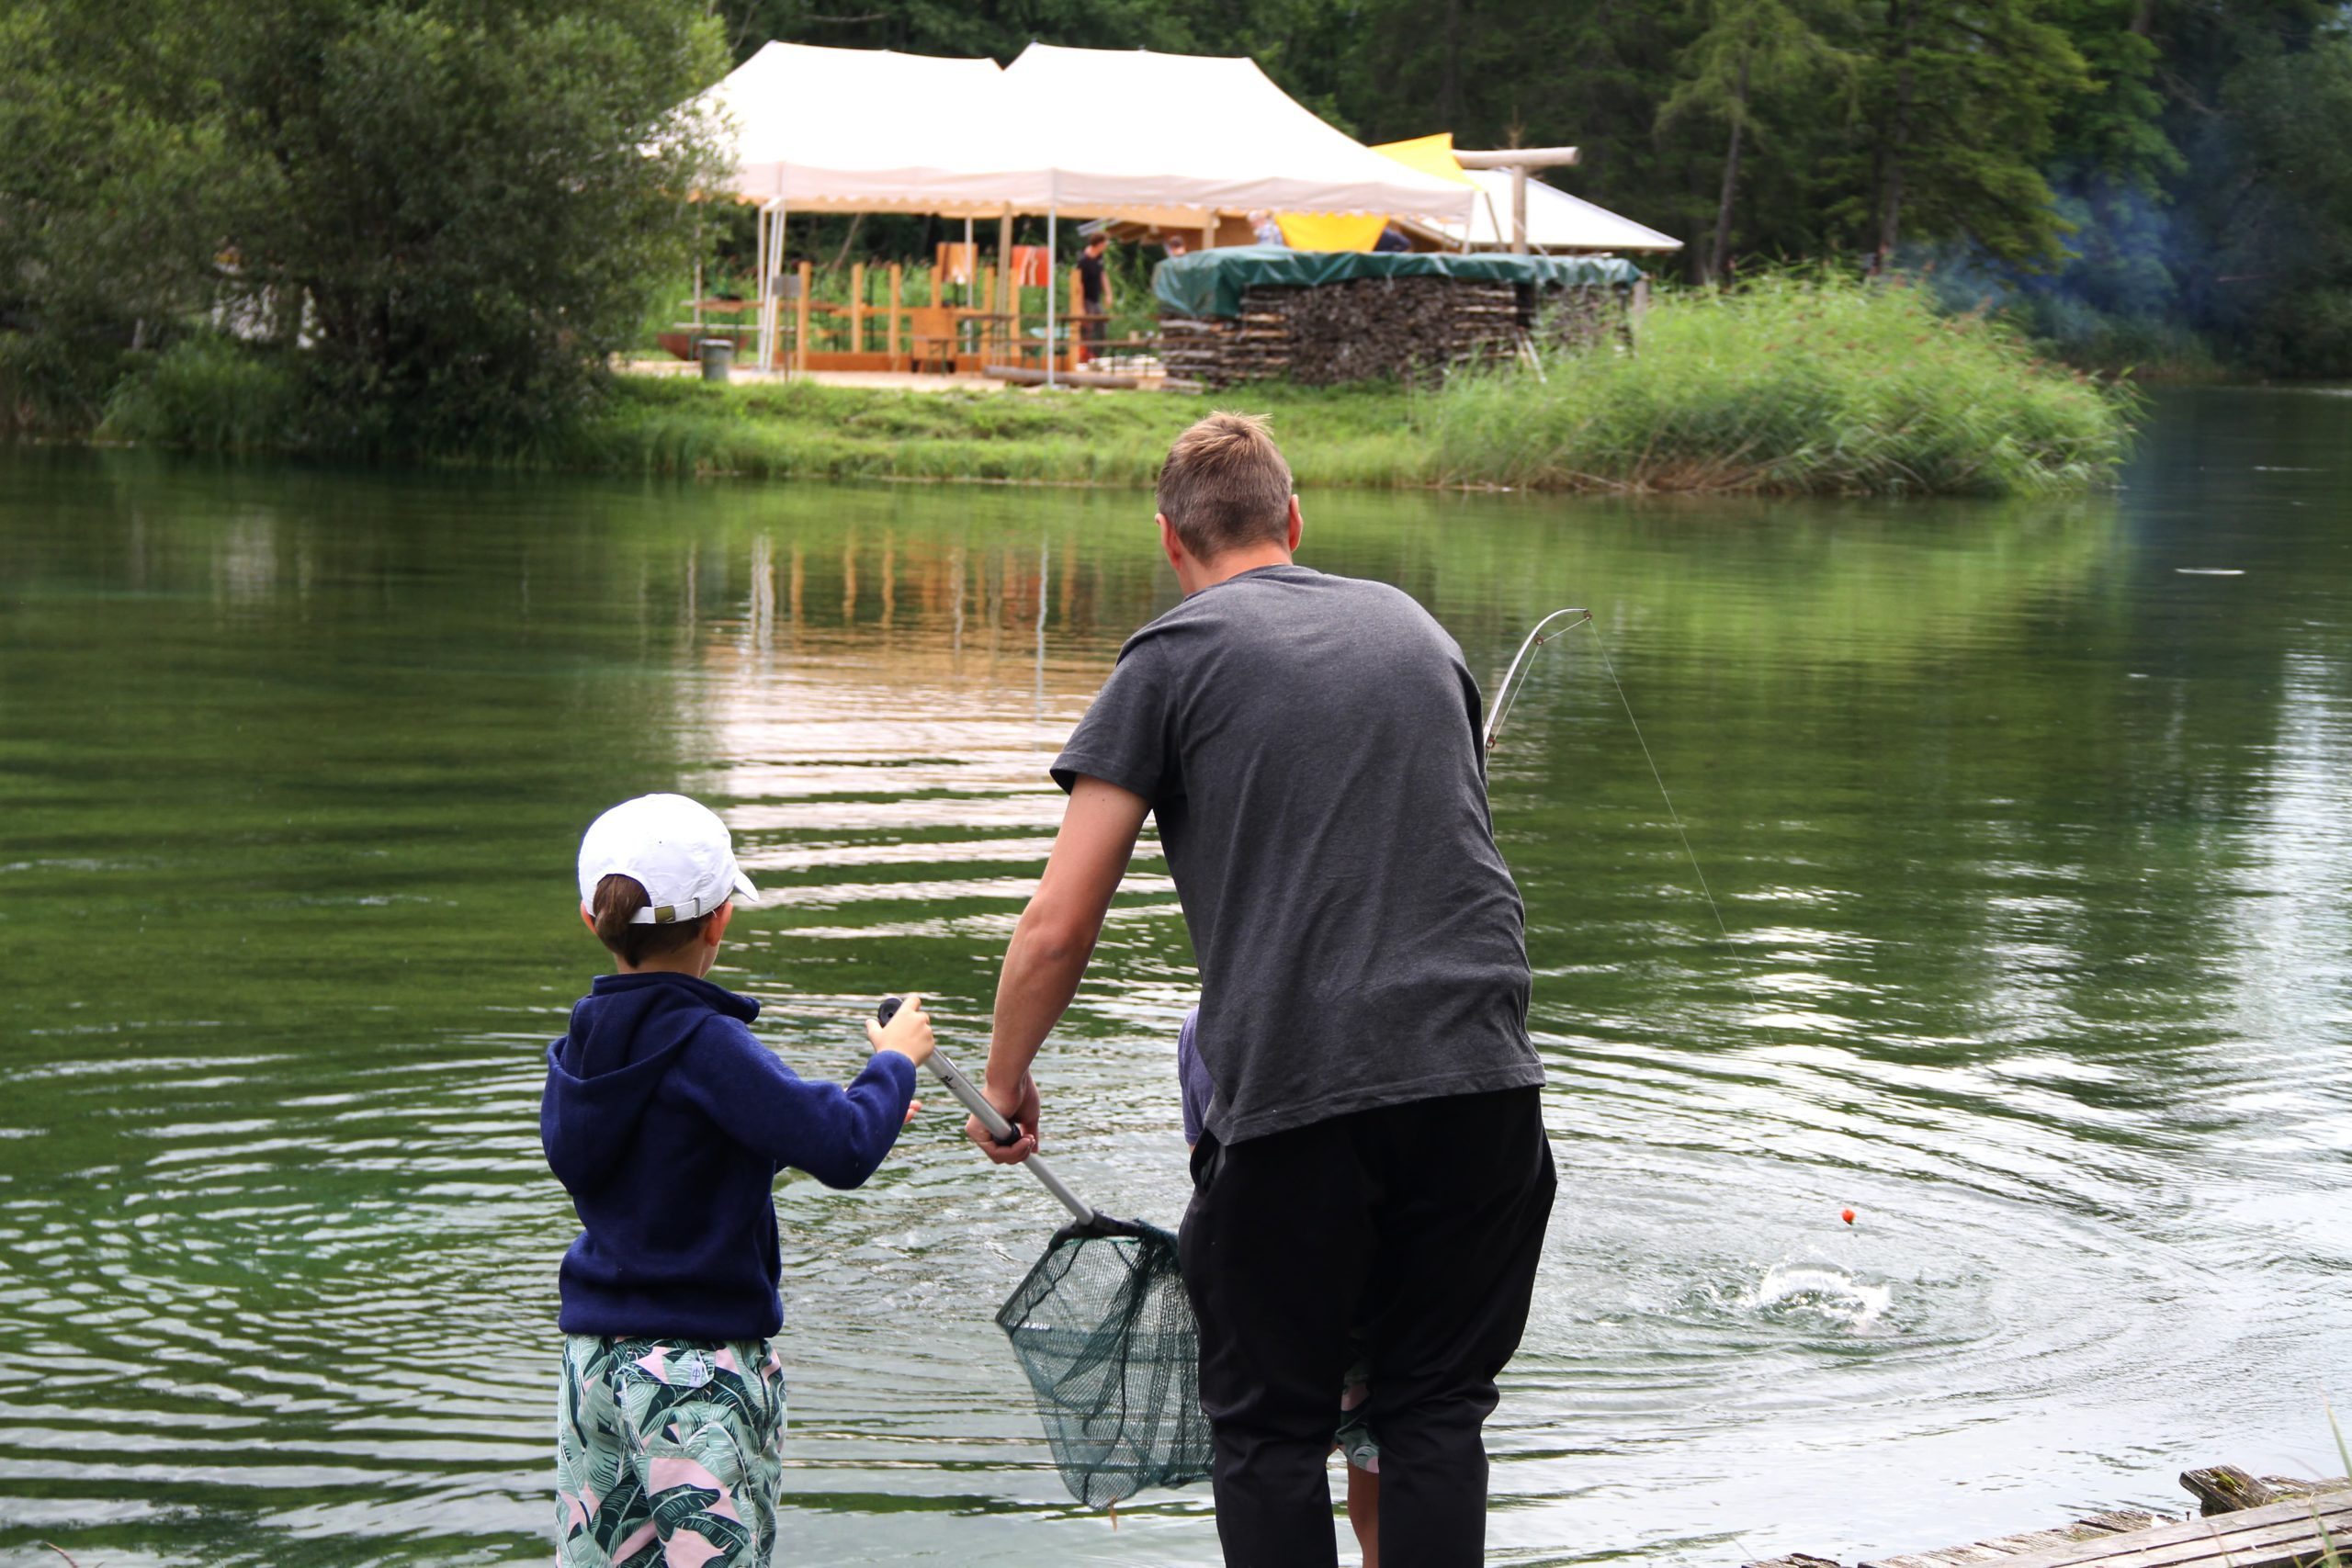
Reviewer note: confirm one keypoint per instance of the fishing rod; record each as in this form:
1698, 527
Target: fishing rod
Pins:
1514, 677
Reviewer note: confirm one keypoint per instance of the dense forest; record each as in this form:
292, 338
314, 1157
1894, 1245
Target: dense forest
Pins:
399, 224
2143, 180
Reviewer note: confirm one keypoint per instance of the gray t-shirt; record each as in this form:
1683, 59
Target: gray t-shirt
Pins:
1310, 747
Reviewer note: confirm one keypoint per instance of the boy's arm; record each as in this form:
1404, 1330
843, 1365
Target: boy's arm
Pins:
1050, 947
838, 1133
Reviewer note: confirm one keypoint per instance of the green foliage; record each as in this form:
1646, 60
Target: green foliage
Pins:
457, 205
211, 394
472, 197
1796, 384
55, 383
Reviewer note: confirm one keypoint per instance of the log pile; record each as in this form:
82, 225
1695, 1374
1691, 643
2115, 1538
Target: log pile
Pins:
1408, 329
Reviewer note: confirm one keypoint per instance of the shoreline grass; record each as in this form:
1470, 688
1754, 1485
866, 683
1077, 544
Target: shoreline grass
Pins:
1793, 385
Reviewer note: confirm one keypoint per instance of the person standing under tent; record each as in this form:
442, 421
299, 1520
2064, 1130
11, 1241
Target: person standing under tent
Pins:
1373, 1151
1094, 292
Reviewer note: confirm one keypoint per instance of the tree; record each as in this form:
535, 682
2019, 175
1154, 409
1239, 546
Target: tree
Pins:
1964, 96
457, 204
473, 195
1750, 47
114, 197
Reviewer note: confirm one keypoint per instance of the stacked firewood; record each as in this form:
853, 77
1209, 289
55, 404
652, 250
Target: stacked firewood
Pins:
1408, 329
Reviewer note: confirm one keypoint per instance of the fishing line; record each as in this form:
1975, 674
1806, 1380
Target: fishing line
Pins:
1671, 814
1513, 681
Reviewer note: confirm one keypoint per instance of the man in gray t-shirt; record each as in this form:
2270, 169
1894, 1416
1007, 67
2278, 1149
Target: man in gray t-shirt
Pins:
1374, 1162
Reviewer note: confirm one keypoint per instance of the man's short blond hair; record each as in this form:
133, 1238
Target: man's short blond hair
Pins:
1224, 485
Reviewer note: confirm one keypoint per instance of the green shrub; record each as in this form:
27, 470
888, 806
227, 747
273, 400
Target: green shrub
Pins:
209, 394
55, 383
1797, 383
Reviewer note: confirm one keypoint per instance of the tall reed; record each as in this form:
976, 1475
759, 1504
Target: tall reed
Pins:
1797, 383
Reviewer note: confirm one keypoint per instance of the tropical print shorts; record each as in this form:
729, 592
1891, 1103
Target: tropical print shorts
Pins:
667, 1453
1355, 1438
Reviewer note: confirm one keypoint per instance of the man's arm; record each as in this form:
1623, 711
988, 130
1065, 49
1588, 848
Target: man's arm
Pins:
1050, 947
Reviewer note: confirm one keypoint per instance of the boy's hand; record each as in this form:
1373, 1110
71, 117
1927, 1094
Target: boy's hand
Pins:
914, 1109
908, 1033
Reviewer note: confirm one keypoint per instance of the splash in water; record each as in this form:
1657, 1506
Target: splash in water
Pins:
1821, 1293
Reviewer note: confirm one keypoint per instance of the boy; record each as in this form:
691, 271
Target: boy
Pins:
1354, 1436
667, 1122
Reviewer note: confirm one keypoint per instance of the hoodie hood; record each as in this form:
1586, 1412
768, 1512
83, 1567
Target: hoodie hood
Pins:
625, 1036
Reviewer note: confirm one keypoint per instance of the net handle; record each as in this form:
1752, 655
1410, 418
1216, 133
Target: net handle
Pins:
964, 1090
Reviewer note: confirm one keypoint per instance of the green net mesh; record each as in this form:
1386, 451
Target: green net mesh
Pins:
1105, 1333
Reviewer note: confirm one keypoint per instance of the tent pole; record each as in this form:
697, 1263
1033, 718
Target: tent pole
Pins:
1053, 350
767, 286
1518, 209
775, 257
971, 265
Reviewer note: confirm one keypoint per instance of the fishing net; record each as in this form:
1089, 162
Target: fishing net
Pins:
1105, 1333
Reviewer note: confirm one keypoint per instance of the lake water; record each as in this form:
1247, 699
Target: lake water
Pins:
2031, 830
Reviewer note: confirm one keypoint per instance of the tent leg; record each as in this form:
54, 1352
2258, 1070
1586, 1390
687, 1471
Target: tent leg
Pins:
1053, 350
759, 264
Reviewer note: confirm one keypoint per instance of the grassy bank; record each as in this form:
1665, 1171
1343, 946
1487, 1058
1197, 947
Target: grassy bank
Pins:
1359, 436
1790, 386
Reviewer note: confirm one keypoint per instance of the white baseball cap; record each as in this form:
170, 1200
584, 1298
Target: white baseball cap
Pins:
676, 849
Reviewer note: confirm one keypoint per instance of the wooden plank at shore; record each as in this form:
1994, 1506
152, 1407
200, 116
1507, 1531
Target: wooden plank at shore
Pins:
2007, 1547
2283, 1535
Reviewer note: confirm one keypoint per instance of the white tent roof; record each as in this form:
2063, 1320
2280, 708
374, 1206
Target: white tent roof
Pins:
871, 129
1174, 138
1555, 220
1163, 138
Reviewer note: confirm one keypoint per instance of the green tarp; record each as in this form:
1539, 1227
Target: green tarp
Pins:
1210, 283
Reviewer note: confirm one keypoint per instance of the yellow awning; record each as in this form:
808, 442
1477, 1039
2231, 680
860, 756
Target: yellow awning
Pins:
1430, 154
1320, 231
1330, 230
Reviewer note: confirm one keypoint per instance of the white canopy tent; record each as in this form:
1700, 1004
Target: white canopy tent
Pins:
872, 131
1555, 220
865, 131
1181, 140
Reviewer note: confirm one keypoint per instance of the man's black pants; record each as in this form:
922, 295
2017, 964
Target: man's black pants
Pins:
1415, 1229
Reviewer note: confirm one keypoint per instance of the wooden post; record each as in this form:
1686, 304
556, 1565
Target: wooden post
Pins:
1519, 160
898, 276
800, 320
857, 307
1008, 290
1208, 233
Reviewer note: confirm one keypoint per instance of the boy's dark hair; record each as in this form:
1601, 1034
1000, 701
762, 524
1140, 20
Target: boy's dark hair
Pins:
619, 899
1226, 485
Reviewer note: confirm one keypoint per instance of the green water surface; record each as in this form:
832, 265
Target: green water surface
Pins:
2028, 829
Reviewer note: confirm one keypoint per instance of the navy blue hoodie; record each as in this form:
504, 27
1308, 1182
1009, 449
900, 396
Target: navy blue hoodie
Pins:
667, 1122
